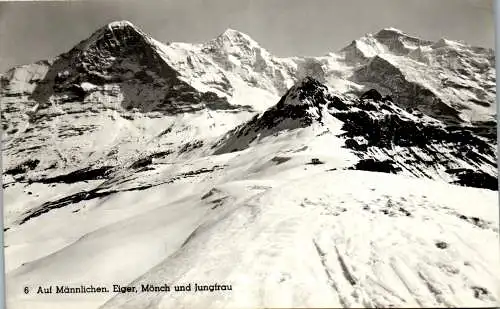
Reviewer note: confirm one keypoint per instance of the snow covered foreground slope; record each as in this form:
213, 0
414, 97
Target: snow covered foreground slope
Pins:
288, 236
135, 162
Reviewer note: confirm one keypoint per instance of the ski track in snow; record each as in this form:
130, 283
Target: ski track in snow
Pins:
368, 261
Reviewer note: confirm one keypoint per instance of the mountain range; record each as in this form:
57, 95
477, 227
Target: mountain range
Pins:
362, 178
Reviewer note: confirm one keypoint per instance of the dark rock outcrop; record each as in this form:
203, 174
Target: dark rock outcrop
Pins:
298, 108
372, 165
477, 179
371, 94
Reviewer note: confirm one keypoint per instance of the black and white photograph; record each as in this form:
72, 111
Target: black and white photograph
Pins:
249, 154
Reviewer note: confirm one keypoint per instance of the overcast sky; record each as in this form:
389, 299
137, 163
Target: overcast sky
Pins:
31, 31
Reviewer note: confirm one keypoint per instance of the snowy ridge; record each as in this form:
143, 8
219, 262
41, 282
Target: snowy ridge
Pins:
385, 137
115, 89
232, 65
363, 178
298, 108
459, 77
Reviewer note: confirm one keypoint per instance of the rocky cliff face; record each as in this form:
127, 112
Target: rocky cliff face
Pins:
385, 137
79, 108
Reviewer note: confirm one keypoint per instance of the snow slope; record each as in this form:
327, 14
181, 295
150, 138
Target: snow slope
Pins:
286, 234
315, 247
363, 178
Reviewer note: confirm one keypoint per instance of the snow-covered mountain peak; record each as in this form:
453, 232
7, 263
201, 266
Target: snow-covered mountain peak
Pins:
120, 24
239, 56
447, 79
397, 34
300, 107
362, 49
398, 42
235, 46
234, 37
388, 40
390, 32
307, 91
233, 42
114, 37
443, 42
363, 123
308, 81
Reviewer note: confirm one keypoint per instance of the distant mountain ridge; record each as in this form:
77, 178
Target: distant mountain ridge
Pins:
122, 80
